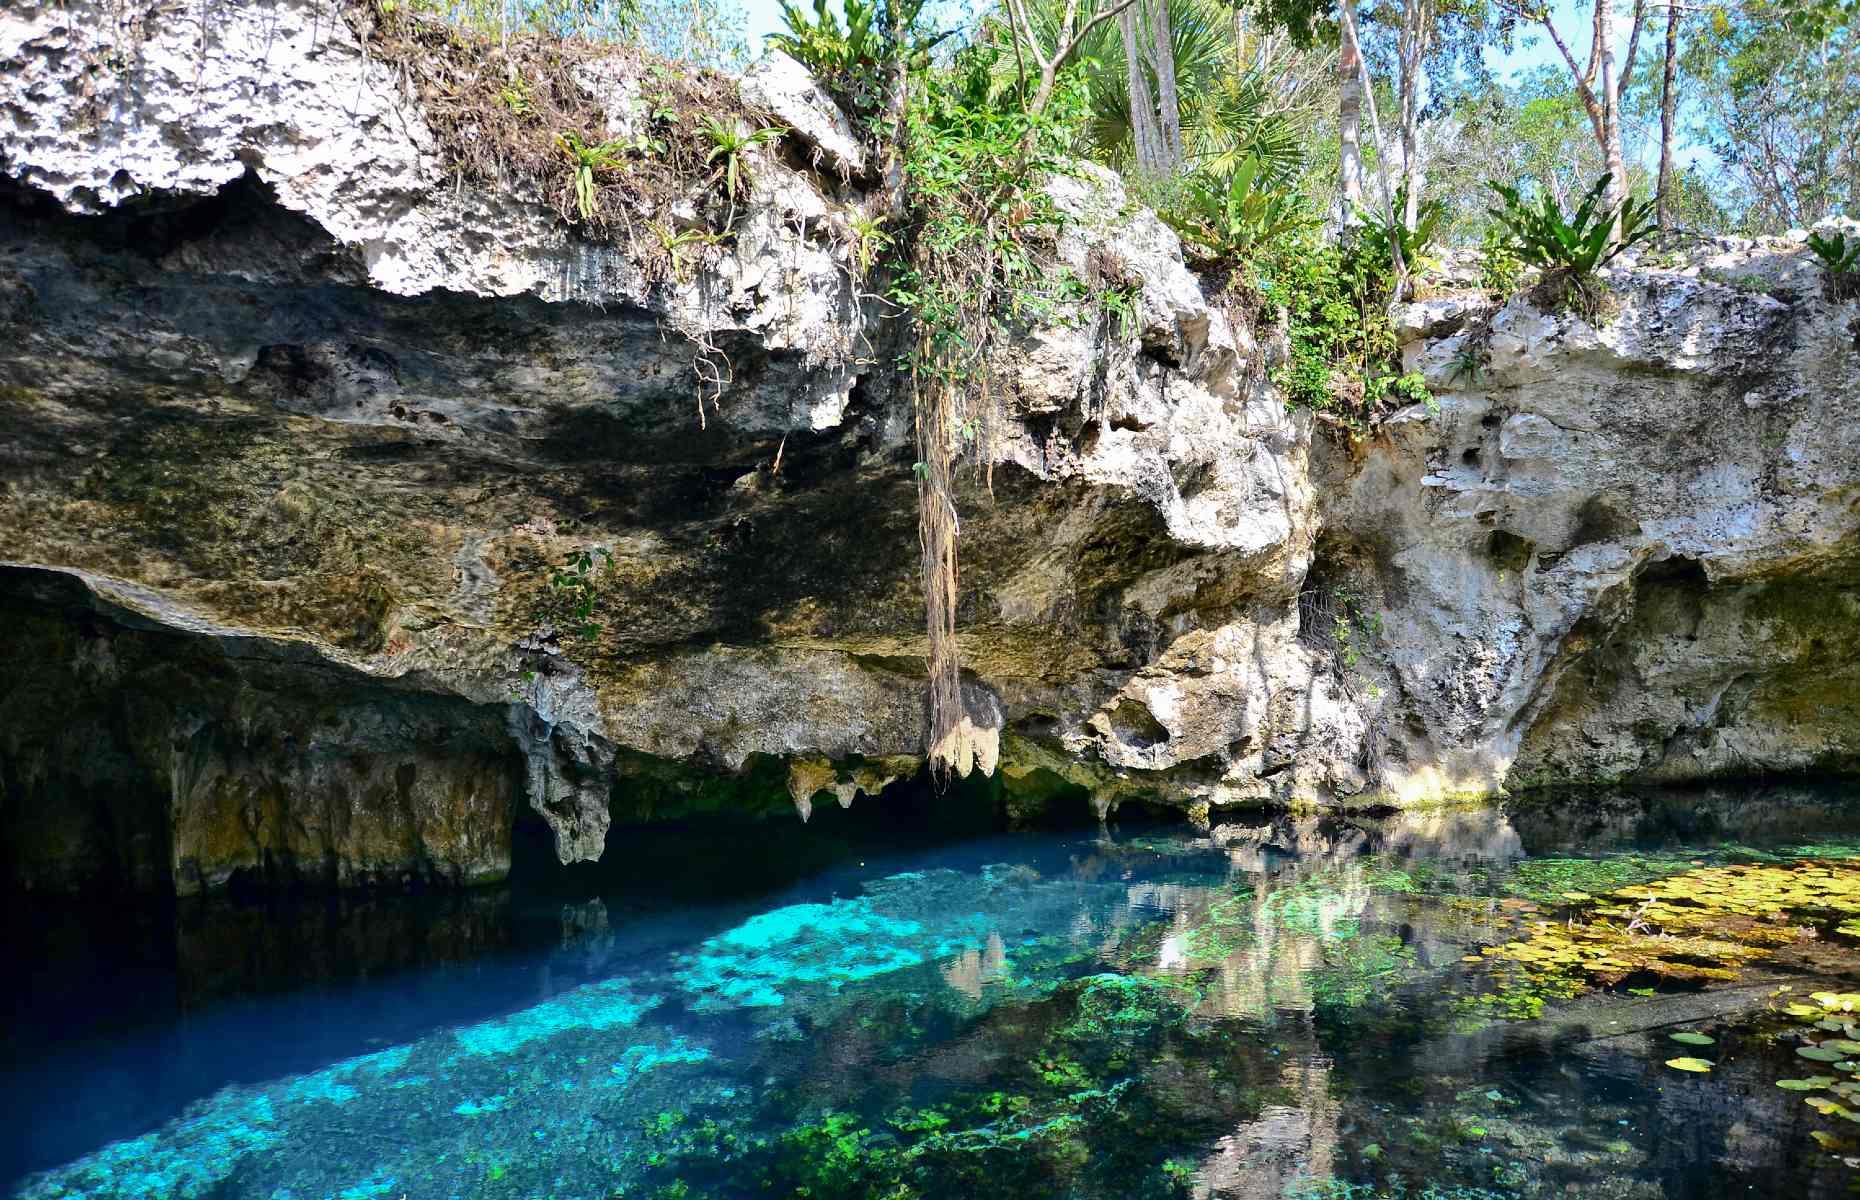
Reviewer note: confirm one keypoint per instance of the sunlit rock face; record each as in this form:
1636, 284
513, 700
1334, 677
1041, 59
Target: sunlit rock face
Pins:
274, 373
1627, 549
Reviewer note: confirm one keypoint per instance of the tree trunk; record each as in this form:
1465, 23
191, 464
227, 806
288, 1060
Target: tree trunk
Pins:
897, 98
1611, 108
1413, 54
1349, 127
1669, 103
1614, 84
1382, 163
1144, 135
1168, 108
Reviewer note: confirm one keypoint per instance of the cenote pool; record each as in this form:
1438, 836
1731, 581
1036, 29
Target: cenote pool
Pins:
1461, 1004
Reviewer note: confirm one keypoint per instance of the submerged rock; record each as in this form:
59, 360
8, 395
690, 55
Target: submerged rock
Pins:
279, 381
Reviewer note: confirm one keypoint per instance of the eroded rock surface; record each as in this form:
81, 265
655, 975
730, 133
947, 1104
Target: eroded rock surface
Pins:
1628, 549
276, 380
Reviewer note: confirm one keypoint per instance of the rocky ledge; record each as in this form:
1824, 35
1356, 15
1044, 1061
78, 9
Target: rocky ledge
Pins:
303, 434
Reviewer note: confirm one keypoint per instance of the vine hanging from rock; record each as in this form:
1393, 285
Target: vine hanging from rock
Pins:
977, 260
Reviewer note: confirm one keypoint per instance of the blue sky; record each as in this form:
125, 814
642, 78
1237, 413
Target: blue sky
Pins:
764, 18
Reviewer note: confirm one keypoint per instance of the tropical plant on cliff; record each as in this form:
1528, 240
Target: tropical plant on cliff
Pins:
1582, 242
845, 59
587, 161
1840, 262
1382, 237
860, 62
1344, 363
1230, 218
730, 146
578, 583
968, 230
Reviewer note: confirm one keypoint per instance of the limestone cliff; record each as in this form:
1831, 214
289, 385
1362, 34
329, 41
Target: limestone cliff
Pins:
302, 433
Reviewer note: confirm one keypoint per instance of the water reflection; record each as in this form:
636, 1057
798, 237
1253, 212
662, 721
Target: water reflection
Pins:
1276, 1007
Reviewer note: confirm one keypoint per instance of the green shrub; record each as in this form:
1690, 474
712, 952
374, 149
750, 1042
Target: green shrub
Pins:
1344, 362
1840, 262
1228, 219
850, 60
1379, 236
1500, 268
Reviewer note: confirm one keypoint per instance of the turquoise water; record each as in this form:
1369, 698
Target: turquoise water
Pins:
1274, 1008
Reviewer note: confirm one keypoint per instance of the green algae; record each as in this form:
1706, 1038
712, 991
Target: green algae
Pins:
1122, 1007
1551, 880
1048, 1119
1355, 972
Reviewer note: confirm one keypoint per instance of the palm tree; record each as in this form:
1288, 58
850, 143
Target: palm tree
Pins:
1238, 96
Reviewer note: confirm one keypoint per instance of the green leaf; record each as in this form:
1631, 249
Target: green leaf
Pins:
1812, 1084
1697, 1065
1693, 1039
1817, 1054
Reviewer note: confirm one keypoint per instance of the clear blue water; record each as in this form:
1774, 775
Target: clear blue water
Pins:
1276, 1008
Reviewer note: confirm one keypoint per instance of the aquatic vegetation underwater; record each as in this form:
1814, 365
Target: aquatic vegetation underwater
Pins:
1148, 1018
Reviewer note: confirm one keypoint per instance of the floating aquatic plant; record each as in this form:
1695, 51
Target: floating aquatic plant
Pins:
1836, 1095
1696, 927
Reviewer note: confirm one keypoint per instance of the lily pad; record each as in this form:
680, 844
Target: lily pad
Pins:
1843, 1045
1689, 1064
1812, 1083
1819, 1054
1693, 1039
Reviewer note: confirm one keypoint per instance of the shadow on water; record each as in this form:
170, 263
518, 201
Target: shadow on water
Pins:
897, 999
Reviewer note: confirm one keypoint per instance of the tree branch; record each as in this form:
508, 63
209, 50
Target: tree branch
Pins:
1017, 22
1627, 68
1584, 92
1098, 19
